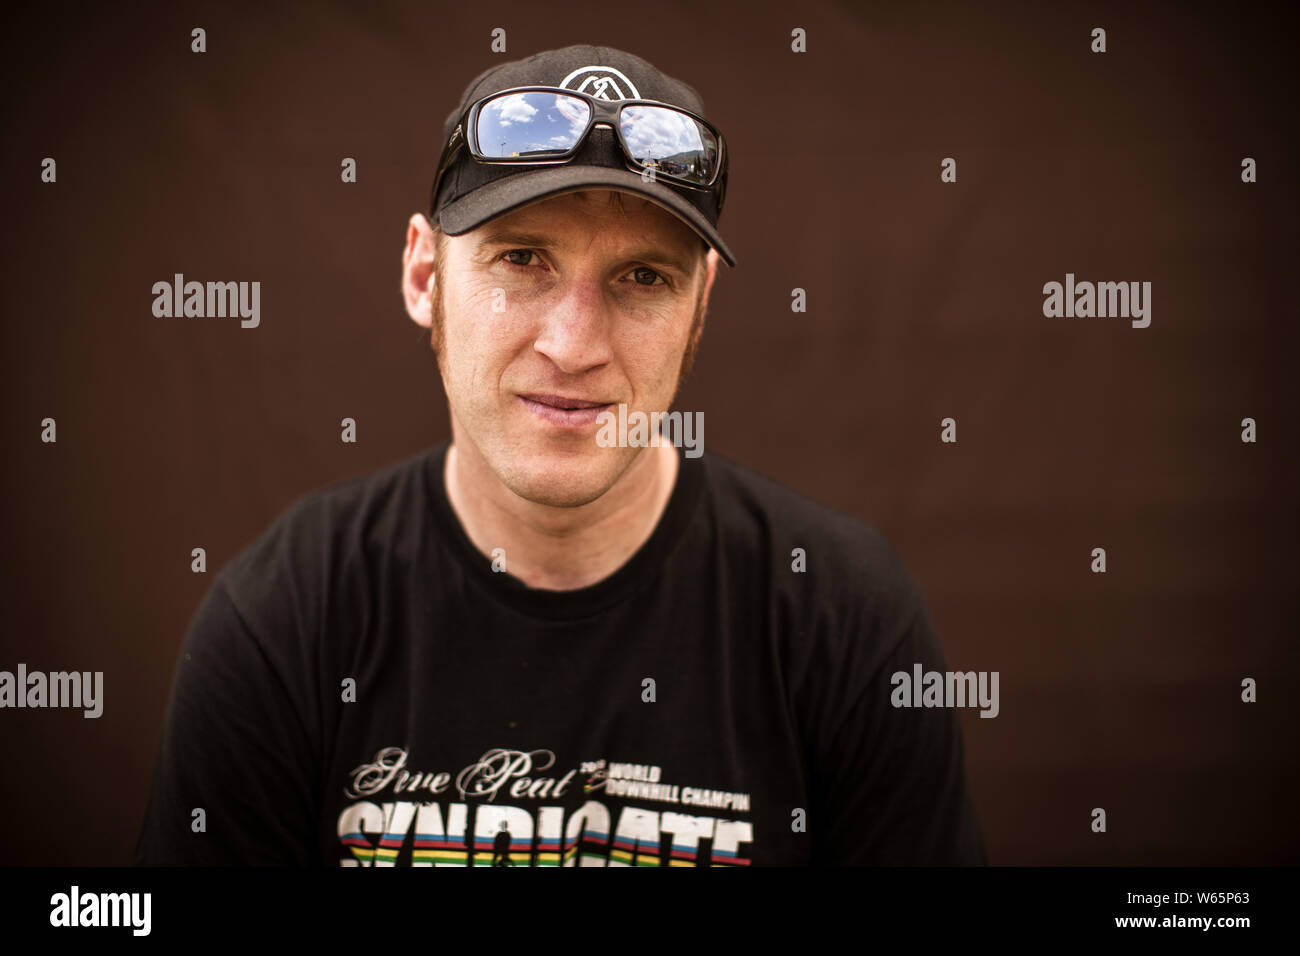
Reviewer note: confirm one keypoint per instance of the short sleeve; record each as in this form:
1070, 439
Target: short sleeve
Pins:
234, 746
889, 785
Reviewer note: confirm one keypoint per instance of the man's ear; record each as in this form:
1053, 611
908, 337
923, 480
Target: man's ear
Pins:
419, 270
711, 261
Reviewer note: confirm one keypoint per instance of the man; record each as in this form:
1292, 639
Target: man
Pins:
535, 646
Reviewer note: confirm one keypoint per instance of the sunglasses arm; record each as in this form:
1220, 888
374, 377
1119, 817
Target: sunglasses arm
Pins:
455, 142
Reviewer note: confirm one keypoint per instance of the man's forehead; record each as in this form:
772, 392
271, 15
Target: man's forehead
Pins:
567, 217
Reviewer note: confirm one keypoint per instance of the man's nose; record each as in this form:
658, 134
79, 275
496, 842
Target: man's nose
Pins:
576, 330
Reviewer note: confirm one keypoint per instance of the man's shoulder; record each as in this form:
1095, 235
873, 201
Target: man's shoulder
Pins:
748, 496
837, 553
362, 499
326, 530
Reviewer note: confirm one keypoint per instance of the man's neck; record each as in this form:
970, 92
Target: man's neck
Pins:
560, 549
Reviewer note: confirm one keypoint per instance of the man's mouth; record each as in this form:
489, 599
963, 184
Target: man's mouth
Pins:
566, 411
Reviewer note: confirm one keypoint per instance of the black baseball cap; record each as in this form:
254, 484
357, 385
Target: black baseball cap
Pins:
472, 193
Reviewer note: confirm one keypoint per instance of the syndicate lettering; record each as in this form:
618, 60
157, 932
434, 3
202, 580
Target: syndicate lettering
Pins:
433, 834
58, 689
477, 831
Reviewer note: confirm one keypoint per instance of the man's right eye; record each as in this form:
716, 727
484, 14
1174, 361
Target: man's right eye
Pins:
526, 253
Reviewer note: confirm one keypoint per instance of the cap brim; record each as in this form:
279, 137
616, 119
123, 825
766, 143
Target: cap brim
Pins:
511, 192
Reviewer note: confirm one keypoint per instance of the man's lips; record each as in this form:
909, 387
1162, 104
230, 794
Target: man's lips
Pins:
560, 401
563, 410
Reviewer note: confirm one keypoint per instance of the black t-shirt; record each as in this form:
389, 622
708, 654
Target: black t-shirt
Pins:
361, 687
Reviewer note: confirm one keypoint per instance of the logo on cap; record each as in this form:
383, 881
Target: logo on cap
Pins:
602, 82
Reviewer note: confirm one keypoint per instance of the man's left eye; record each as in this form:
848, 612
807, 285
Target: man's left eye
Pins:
644, 276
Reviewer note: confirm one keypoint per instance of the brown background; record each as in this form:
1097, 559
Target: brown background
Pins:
924, 301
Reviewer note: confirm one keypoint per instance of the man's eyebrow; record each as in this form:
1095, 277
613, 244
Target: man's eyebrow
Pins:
515, 237
652, 255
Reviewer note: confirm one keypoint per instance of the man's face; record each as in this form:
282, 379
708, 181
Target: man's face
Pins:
591, 299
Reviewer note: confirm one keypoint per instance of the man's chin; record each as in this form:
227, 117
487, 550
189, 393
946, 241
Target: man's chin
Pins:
565, 477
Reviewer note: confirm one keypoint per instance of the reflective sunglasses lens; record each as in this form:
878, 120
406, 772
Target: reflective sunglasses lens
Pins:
530, 124
670, 142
